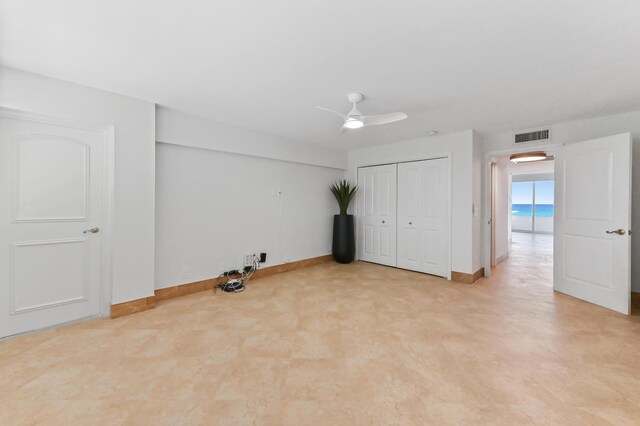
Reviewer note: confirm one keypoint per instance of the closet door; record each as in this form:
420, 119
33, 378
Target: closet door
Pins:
423, 237
376, 219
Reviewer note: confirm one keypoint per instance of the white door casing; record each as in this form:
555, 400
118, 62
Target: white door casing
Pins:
593, 198
376, 214
423, 236
52, 182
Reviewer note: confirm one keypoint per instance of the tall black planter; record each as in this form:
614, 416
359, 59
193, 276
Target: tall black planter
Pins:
344, 240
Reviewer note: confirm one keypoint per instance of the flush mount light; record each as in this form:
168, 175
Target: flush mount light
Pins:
528, 157
353, 123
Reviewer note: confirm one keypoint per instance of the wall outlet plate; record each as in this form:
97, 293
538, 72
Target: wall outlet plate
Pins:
248, 259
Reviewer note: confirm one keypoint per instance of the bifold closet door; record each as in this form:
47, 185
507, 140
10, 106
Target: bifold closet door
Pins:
423, 237
376, 218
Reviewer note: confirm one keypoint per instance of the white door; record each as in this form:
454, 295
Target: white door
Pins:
376, 219
423, 236
593, 214
51, 185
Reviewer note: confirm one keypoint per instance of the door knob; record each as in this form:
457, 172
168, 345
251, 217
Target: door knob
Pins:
410, 223
383, 221
91, 230
617, 231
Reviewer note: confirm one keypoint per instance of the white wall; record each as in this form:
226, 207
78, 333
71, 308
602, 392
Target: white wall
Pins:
183, 129
581, 130
134, 121
213, 207
459, 146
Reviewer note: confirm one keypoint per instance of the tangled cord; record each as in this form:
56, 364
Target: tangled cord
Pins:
237, 285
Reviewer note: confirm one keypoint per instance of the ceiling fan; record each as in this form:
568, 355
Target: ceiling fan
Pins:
354, 119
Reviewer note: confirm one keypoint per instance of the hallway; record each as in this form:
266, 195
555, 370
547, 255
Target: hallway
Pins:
530, 262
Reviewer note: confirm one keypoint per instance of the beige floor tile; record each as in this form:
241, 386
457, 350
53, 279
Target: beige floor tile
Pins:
268, 344
253, 378
244, 412
357, 344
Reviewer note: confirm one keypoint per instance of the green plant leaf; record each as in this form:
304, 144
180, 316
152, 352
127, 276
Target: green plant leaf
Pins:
344, 193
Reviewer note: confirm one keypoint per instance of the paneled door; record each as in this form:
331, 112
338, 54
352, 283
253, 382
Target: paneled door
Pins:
51, 188
423, 211
376, 218
592, 242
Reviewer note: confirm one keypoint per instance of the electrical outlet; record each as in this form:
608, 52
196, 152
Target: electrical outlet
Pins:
248, 259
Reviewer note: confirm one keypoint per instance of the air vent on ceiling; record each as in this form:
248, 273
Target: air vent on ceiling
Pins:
536, 135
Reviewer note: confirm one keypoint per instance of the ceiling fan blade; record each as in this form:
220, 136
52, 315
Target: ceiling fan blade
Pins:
339, 114
373, 120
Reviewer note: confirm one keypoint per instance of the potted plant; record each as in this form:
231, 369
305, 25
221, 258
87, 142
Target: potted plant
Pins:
344, 242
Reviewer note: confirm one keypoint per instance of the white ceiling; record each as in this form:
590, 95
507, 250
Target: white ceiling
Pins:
449, 64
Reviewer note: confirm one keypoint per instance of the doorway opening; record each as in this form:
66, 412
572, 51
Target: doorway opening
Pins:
522, 214
592, 219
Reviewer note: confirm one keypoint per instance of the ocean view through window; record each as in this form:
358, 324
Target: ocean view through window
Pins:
532, 206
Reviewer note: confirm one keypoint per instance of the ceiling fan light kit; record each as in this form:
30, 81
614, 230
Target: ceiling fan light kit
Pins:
353, 123
355, 120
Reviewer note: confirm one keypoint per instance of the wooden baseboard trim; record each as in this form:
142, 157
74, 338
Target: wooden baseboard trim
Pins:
126, 308
285, 267
502, 258
465, 278
185, 289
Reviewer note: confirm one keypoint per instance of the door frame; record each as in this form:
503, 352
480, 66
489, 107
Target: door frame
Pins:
108, 179
487, 190
412, 159
491, 221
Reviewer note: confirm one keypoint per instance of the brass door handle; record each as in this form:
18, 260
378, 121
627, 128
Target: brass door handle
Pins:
91, 230
617, 231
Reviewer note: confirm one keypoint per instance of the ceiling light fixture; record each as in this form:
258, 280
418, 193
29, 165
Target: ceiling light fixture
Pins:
353, 123
528, 157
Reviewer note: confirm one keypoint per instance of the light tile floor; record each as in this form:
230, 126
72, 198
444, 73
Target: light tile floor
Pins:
339, 344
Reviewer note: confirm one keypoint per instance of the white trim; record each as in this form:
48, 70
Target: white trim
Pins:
408, 159
488, 158
449, 216
12, 283
493, 172
47, 119
15, 193
49, 327
108, 171
106, 229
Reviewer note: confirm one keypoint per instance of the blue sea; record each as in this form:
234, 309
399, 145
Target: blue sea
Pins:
545, 210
